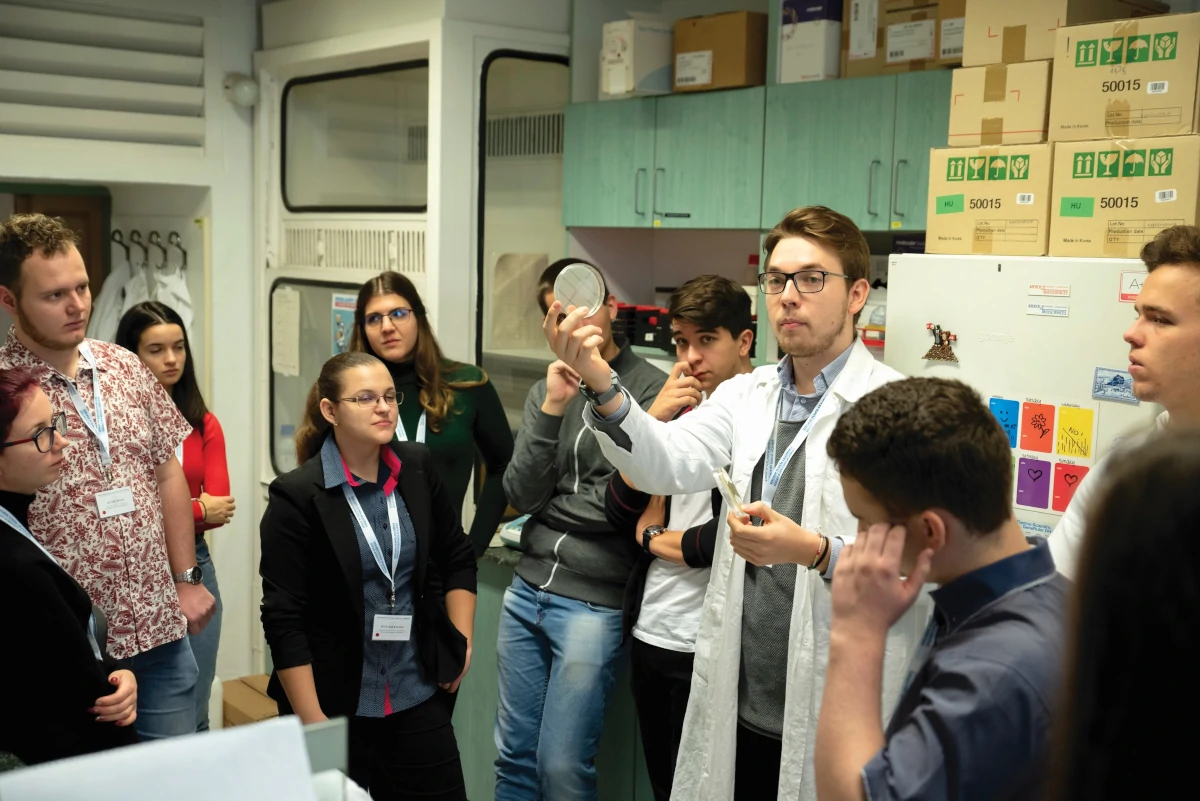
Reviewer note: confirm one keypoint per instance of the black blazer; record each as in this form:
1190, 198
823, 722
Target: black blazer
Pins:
312, 608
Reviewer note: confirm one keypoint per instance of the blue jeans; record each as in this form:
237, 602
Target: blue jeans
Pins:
204, 644
557, 660
166, 678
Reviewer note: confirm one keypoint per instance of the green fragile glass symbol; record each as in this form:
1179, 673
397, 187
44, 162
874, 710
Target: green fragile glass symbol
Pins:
1112, 50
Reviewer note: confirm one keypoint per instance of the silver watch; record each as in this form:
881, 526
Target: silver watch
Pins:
192, 575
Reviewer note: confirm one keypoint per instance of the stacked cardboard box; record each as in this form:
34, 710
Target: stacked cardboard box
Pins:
635, 59
810, 40
722, 51
1124, 113
883, 37
246, 701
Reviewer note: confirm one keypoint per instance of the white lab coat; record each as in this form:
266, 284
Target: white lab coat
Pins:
732, 428
106, 310
1066, 543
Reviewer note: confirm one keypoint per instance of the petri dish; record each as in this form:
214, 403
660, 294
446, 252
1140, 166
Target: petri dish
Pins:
580, 285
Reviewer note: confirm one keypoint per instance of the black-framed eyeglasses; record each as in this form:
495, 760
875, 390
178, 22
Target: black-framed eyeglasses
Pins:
43, 438
368, 400
806, 281
395, 315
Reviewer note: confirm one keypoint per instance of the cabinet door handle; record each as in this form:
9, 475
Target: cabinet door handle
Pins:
654, 190
637, 190
871, 185
896, 187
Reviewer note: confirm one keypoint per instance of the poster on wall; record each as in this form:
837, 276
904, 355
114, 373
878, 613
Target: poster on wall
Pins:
1053, 446
341, 321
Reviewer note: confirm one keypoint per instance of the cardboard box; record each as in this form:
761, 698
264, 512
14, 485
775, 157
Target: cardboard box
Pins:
1001, 104
723, 51
989, 200
810, 40
246, 700
884, 37
1111, 197
636, 58
951, 25
1009, 31
1128, 79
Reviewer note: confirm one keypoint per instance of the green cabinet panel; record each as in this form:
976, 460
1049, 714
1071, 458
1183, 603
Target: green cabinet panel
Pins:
830, 143
922, 120
708, 160
608, 162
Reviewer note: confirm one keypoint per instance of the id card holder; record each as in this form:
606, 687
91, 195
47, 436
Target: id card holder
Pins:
115, 502
392, 628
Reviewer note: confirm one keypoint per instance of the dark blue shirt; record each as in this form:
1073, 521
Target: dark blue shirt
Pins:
391, 664
975, 722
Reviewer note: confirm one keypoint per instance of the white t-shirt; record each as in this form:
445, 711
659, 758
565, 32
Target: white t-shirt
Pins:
1066, 543
674, 594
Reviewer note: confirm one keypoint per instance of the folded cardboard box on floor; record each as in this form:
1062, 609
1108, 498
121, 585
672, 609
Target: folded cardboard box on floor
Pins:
951, 23
989, 200
721, 51
246, 700
1128, 79
1112, 196
636, 57
1009, 31
810, 40
883, 37
1000, 104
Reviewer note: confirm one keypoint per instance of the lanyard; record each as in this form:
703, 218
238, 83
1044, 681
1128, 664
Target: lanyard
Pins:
402, 435
7, 518
373, 542
96, 424
179, 453
774, 474
918, 659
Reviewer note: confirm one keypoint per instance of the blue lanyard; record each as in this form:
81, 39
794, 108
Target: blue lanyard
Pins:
373, 542
402, 435
7, 518
774, 472
918, 659
97, 424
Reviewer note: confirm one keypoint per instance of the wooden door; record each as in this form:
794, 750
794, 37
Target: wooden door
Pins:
88, 216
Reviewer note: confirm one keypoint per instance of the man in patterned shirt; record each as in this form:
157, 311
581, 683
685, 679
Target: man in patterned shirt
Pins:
120, 518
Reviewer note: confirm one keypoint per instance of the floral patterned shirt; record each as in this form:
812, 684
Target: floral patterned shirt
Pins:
121, 561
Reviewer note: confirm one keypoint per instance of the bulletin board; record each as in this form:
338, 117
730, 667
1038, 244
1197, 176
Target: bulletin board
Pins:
311, 321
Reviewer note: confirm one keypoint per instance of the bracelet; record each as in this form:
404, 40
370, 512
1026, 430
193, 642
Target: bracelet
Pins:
822, 549
203, 509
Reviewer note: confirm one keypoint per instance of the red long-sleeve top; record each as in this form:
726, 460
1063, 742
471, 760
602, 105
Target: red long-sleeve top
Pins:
205, 467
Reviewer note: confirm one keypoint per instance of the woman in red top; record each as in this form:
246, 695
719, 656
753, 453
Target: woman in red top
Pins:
156, 334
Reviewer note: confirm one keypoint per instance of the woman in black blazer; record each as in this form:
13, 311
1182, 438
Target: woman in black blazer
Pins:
78, 699
357, 626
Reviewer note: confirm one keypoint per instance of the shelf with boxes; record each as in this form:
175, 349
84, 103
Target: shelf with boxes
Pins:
1096, 166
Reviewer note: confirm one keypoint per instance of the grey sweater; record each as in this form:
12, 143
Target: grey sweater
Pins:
558, 476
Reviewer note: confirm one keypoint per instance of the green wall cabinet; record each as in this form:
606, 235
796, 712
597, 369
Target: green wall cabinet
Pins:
860, 146
678, 161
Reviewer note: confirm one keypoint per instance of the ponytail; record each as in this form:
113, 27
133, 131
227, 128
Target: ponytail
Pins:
311, 433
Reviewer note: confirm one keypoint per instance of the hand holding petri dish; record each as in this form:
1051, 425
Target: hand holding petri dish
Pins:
580, 286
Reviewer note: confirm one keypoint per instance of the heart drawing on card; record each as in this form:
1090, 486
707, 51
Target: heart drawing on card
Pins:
1034, 474
1071, 479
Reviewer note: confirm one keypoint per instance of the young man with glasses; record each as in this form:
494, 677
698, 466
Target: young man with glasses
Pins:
120, 518
764, 630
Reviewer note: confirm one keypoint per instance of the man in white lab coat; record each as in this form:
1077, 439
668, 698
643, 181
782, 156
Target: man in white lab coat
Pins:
1164, 361
764, 631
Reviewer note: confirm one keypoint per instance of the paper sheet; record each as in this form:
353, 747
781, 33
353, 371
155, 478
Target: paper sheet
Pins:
285, 331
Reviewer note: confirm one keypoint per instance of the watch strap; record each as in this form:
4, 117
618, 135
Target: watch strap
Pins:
601, 398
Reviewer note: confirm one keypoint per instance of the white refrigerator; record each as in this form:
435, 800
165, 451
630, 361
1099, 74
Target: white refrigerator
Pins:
1041, 340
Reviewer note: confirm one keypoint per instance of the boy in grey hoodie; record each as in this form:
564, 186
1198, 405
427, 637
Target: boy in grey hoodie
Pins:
559, 644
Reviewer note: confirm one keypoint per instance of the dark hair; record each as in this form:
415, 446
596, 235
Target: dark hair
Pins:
835, 231
712, 302
926, 443
1179, 244
15, 385
186, 392
437, 392
550, 275
22, 235
1130, 692
310, 434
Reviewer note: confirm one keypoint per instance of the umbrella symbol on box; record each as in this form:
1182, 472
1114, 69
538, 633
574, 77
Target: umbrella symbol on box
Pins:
1134, 164
998, 168
1138, 49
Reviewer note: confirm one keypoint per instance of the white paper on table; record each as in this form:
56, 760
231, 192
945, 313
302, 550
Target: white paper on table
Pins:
256, 762
285, 331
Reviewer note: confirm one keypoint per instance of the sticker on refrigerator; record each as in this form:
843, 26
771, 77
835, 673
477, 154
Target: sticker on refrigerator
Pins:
1050, 290
910, 41
694, 69
341, 321
1131, 285
1008, 414
1037, 427
941, 350
1033, 483
1047, 309
1066, 481
864, 24
1112, 384
1076, 432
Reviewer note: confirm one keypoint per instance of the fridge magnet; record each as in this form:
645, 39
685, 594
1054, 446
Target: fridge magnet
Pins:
1112, 384
941, 350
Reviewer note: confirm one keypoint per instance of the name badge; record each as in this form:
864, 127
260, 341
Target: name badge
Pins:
115, 502
392, 628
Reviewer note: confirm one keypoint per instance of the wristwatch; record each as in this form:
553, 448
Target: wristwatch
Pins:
601, 398
650, 533
190, 576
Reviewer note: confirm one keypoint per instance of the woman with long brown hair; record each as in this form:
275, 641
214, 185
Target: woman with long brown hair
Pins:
450, 406
369, 588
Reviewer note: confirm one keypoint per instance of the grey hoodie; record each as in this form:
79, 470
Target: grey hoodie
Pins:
558, 476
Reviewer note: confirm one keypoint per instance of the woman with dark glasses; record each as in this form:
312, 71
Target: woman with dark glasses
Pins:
53, 635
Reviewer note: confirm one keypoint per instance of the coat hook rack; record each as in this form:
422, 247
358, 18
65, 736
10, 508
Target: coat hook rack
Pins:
175, 239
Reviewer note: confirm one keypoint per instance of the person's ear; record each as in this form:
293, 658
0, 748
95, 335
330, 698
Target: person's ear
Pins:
745, 342
859, 291
8, 301
932, 528
328, 411
611, 303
